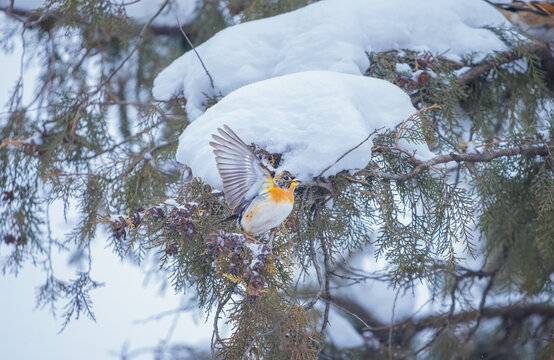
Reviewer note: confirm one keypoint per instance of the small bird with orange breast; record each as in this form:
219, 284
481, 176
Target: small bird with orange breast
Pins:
535, 19
260, 199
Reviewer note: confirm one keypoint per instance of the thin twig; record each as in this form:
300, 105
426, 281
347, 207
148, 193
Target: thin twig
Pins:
313, 255
135, 48
122, 142
328, 298
10, 12
534, 48
164, 314
411, 118
83, 102
322, 183
196, 52
392, 323
348, 311
252, 4
349, 151
492, 275
215, 334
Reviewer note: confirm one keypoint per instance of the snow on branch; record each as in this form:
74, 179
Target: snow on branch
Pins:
312, 119
296, 41
534, 48
32, 19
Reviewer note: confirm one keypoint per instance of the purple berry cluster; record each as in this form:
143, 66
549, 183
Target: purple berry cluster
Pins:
119, 228
181, 220
240, 256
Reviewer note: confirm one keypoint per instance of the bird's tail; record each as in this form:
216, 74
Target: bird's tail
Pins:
230, 218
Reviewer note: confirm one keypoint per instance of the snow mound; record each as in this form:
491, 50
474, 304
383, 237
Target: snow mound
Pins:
329, 35
311, 118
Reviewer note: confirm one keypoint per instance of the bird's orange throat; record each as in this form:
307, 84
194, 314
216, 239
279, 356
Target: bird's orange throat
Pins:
281, 195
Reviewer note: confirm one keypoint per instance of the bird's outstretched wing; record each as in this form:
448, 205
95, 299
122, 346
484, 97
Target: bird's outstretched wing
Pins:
241, 172
541, 8
546, 8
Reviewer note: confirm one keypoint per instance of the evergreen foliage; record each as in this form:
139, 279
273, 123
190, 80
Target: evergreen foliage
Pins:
497, 202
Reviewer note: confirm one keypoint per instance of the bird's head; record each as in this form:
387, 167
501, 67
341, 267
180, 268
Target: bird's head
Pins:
285, 180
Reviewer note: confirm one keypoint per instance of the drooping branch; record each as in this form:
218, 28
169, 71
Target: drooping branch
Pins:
84, 101
32, 19
138, 43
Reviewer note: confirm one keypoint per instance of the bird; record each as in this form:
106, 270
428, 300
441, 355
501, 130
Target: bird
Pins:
260, 199
535, 19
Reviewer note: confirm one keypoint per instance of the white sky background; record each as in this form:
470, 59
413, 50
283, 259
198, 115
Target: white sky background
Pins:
29, 333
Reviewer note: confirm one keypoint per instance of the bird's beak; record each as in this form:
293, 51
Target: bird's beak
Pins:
296, 182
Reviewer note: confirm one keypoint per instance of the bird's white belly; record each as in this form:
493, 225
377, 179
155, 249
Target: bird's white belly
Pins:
259, 217
541, 32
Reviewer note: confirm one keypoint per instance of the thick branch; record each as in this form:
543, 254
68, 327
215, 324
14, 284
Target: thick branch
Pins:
539, 49
511, 312
535, 149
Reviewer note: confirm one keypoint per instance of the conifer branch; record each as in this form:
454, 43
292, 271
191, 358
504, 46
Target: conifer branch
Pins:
514, 312
31, 19
349, 151
196, 52
139, 41
328, 298
216, 339
317, 268
539, 49
531, 149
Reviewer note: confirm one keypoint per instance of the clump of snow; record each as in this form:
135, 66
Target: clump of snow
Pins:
36, 138
259, 252
402, 67
311, 118
471, 149
257, 249
329, 35
173, 203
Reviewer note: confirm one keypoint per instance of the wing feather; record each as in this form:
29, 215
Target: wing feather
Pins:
534, 7
546, 8
241, 172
